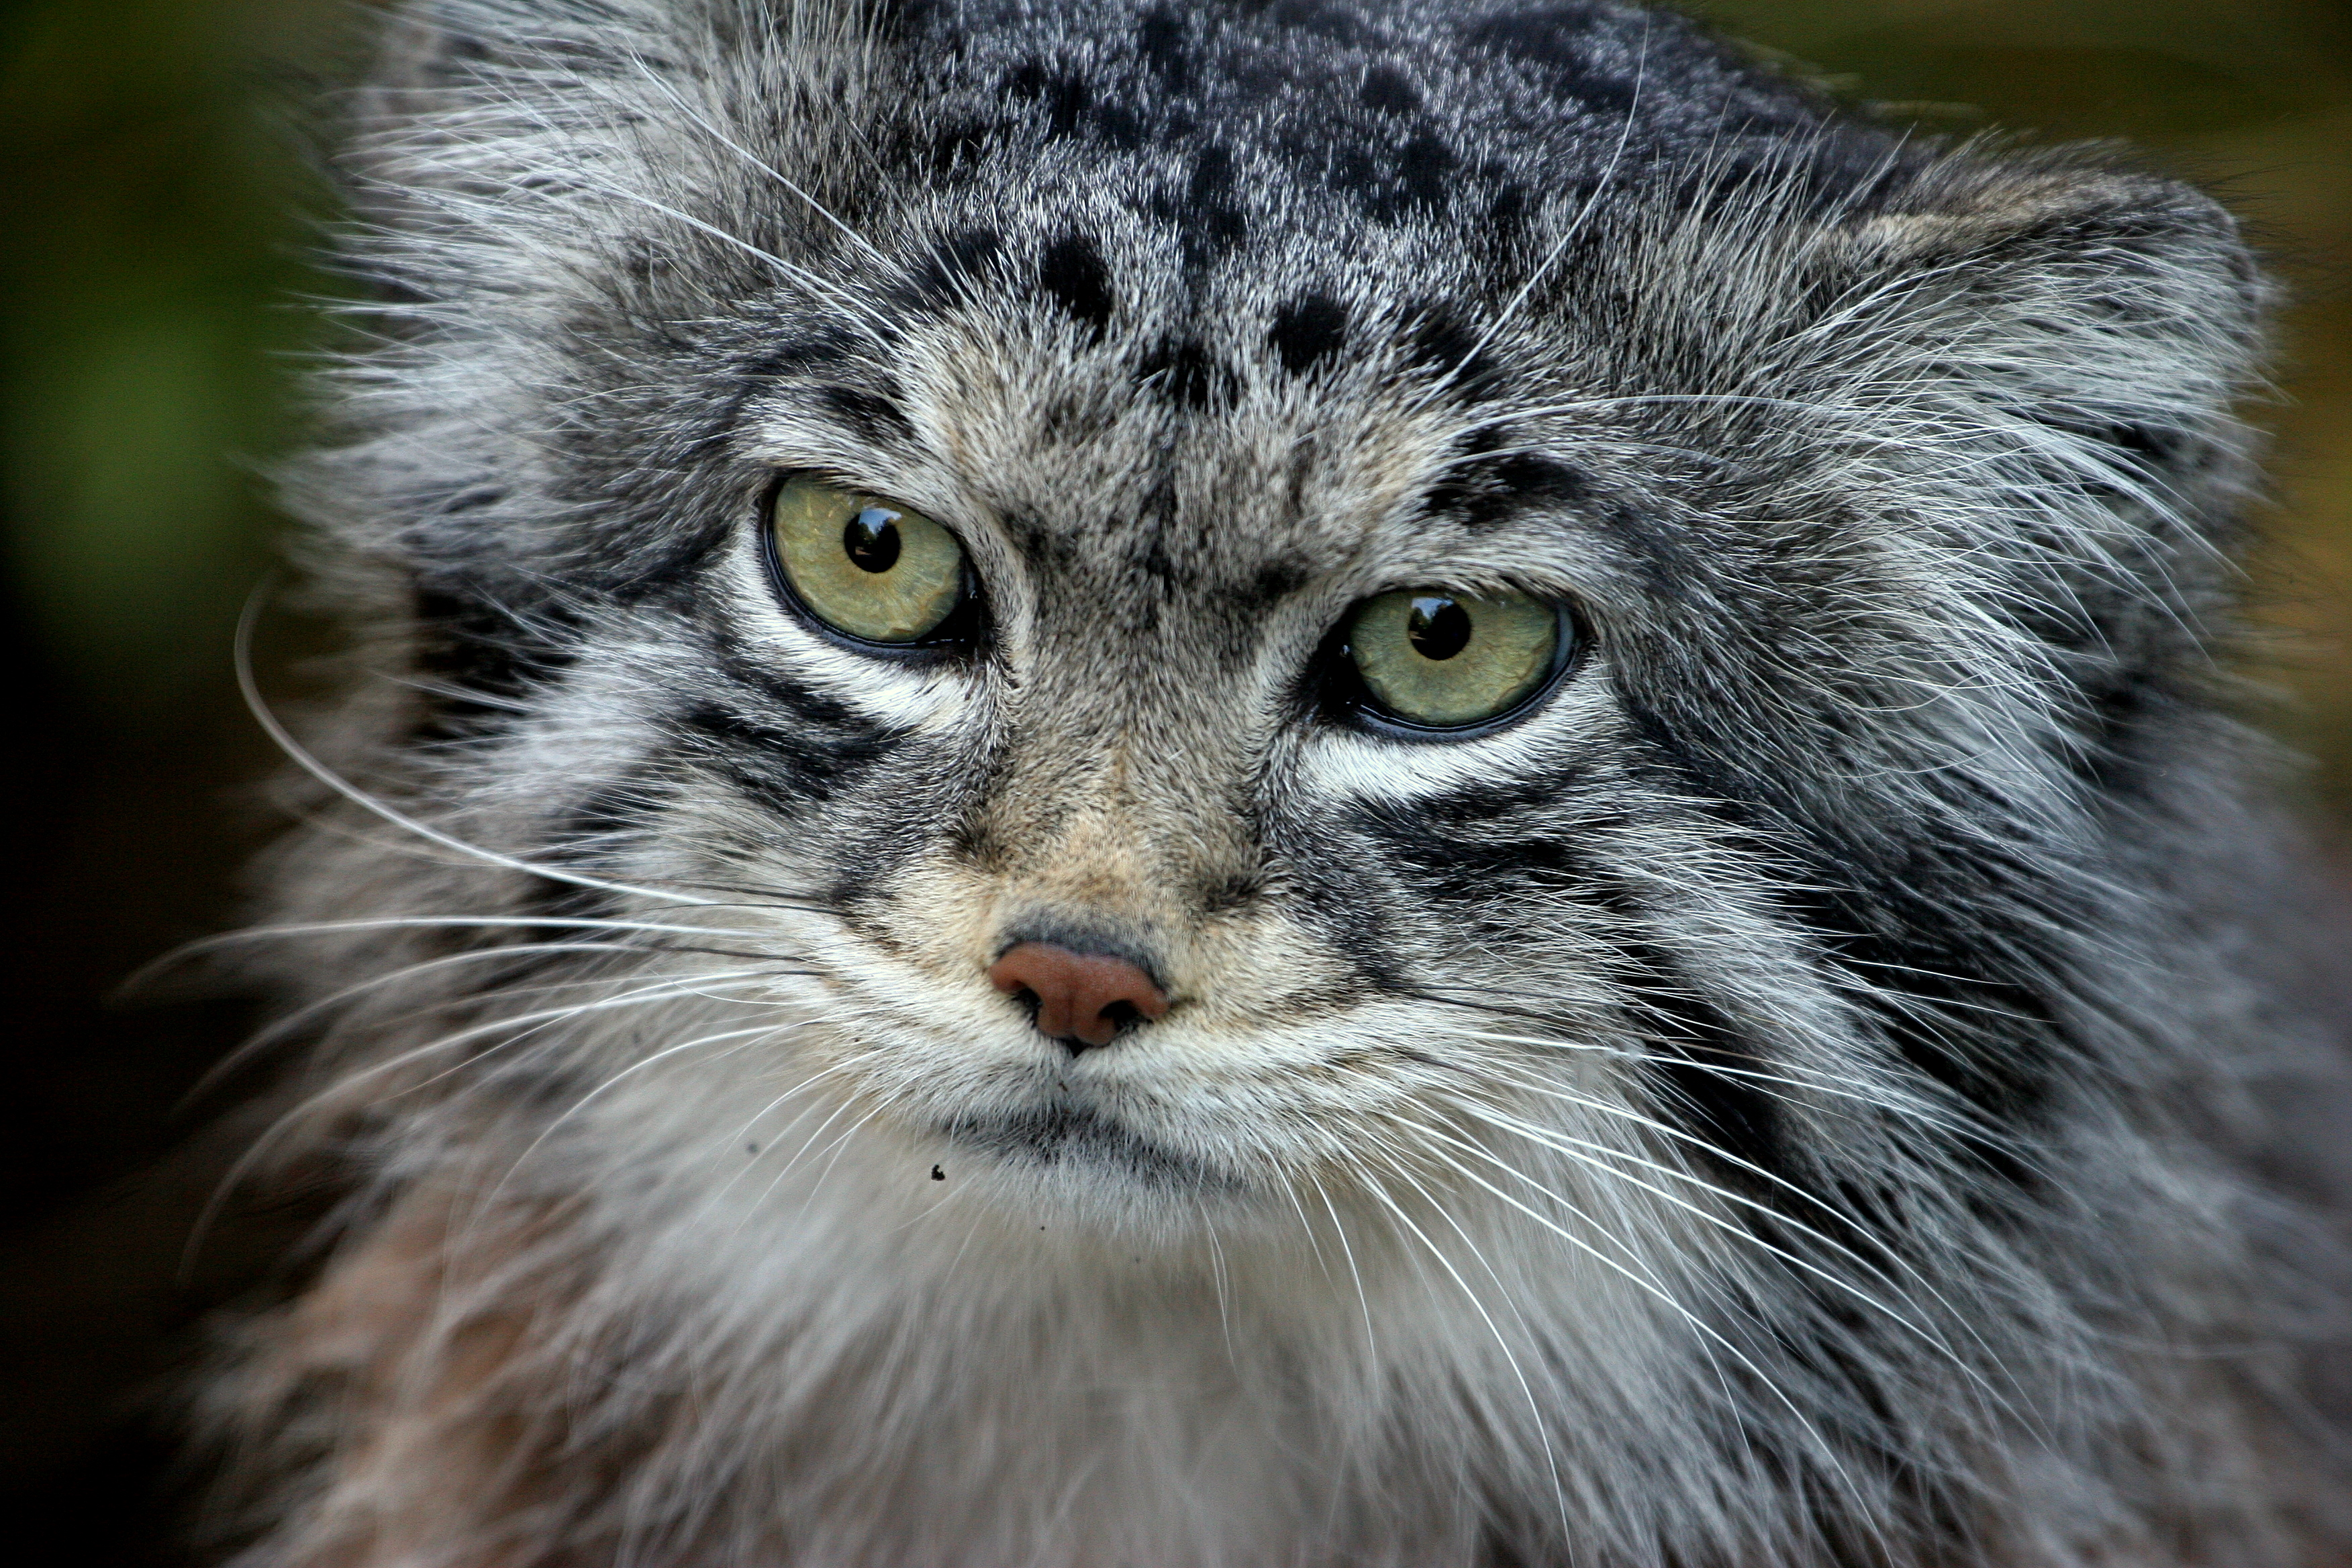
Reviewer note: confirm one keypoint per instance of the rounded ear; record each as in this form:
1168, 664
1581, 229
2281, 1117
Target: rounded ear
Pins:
430, 55
2117, 309
433, 47
569, 131
422, 46
452, 84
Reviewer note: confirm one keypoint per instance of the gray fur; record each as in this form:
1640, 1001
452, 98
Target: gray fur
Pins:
1805, 1094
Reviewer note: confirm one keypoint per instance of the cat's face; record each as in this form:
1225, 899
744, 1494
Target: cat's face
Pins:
1519, 676
1172, 711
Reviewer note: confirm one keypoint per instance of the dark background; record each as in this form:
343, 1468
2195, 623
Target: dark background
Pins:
155, 213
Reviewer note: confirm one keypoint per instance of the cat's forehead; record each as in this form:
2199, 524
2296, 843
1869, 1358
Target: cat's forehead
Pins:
1075, 376
1221, 289
1404, 110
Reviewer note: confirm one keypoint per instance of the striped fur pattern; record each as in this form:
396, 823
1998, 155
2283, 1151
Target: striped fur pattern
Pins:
1809, 1093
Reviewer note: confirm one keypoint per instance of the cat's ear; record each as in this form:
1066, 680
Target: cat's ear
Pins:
431, 54
441, 47
461, 93
569, 132
2109, 320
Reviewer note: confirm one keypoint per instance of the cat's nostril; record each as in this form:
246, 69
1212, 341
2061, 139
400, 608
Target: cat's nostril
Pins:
1082, 998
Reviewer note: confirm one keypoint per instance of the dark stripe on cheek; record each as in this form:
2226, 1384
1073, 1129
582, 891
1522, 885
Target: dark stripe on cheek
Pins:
487, 655
1933, 949
1735, 1120
1692, 1041
585, 842
785, 769
1988, 1040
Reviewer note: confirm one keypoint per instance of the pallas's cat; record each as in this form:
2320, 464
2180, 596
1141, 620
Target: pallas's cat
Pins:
1279, 785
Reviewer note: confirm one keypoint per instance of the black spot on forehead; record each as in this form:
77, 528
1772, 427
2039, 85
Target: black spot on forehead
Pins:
1217, 224
1308, 81
1073, 276
874, 417
1508, 210
1212, 175
1065, 95
1308, 331
959, 144
1562, 41
1186, 373
1421, 165
1339, 23
1160, 38
1207, 222
1391, 178
1449, 348
1386, 91
951, 269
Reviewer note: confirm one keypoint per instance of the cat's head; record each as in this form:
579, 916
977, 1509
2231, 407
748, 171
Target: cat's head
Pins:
1434, 591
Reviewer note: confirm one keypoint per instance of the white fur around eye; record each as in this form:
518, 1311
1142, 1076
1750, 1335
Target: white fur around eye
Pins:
903, 693
1361, 764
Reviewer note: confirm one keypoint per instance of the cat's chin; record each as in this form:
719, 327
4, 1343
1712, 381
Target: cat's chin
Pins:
1069, 1135
1079, 1167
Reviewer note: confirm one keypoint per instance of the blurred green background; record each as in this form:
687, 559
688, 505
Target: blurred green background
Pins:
155, 216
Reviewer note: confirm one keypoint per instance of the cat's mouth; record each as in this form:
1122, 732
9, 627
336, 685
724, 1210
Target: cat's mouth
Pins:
1065, 1135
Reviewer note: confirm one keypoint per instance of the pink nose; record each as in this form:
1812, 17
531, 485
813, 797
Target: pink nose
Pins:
1080, 996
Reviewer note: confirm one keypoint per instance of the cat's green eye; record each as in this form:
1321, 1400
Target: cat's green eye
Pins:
866, 567
1444, 660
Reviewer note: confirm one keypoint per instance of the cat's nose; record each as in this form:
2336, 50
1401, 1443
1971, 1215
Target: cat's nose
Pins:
1082, 997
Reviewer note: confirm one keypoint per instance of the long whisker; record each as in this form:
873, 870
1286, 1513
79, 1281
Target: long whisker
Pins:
262, 1144
814, 1079
250, 688
1535, 1406
766, 1029
839, 1146
1580, 1149
279, 1027
1348, 1250
1218, 1277
1879, 1101
203, 945
1592, 1161
1881, 1097
1690, 1318
679, 101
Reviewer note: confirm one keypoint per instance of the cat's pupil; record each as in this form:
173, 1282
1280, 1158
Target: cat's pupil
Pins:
1437, 628
871, 539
